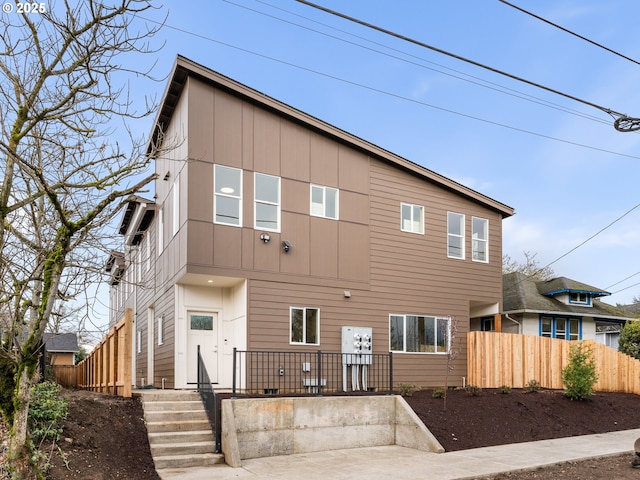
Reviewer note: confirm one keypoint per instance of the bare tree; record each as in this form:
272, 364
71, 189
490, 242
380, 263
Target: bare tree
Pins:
529, 267
63, 175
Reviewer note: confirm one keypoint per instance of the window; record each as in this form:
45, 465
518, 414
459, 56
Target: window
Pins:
305, 325
419, 334
480, 239
160, 231
160, 330
562, 328
139, 341
175, 224
267, 202
324, 202
147, 249
412, 218
580, 298
227, 195
455, 235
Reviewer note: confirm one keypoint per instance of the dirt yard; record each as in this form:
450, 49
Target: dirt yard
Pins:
105, 437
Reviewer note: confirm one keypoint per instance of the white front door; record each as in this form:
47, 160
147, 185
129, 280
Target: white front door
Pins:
203, 331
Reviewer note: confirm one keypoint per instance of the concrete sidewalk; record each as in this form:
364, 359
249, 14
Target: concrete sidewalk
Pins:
401, 463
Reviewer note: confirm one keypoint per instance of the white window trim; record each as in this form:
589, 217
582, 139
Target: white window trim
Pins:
175, 224
228, 195
411, 230
147, 256
139, 341
449, 234
485, 241
304, 325
160, 330
404, 335
324, 202
160, 231
264, 202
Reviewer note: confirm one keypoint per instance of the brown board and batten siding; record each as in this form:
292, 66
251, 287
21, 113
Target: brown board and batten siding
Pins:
387, 271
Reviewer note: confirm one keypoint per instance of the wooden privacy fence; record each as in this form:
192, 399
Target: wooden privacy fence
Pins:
108, 367
497, 359
65, 375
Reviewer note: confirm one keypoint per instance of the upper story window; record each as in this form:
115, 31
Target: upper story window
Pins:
160, 231
480, 239
419, 334
175, 224
579, 298
412, 218
305, 325
455, 235
267, 202
324, 202
227, 195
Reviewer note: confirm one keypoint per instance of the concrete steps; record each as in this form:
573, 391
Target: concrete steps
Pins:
179, 432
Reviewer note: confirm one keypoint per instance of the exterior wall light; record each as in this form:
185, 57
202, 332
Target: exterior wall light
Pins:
265, 237
286, 246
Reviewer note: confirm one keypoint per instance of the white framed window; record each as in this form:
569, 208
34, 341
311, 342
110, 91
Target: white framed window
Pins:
579, 298
160, 231
419, 333
227, 195
412, 218
266, 202
175, 196
160, 330
147, 248
304, 326
324, 202
455, 235
139, 341
479, 239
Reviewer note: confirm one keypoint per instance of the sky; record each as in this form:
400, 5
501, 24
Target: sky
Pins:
557, 161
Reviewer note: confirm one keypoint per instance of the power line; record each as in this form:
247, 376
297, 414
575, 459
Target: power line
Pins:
475, 80
581, 37
390, 94
624, 279
621, 123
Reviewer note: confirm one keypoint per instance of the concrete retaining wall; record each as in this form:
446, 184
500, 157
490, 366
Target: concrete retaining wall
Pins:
262, 427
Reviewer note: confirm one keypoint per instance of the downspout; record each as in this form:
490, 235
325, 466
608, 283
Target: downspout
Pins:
514, 321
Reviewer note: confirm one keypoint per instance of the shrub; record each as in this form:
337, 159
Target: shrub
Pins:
533, 386
629, 342
504, 389
47, 411
438, 393
473, 390
407, 389
579, 376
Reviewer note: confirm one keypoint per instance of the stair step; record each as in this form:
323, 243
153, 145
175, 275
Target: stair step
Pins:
172, 405
186, 461
165, 449
166, 395
175, 416
177, 426
157, 438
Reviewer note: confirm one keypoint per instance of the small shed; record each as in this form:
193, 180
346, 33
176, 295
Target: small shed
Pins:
61, 347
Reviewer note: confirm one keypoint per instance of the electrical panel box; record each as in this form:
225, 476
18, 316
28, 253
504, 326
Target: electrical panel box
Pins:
357, 345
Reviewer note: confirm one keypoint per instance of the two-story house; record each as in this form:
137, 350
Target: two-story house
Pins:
271, 230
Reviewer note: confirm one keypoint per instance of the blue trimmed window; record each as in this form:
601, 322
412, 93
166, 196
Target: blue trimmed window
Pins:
579, 298
562, 328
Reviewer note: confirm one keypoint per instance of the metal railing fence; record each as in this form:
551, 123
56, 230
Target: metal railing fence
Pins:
210, 400
310, 373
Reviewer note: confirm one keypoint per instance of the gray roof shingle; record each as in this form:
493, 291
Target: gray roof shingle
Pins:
61, 342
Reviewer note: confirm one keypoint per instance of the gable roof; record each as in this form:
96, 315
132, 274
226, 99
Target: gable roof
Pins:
61, 342
523, 294
185, 68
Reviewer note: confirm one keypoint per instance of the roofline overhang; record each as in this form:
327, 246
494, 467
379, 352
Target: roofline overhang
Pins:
184, 68
556, 312
597, 293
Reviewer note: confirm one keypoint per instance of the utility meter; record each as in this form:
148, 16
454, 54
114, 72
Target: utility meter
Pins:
358, 343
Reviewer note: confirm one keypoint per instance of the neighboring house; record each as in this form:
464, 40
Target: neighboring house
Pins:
271, 230
557, 308
61, 348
